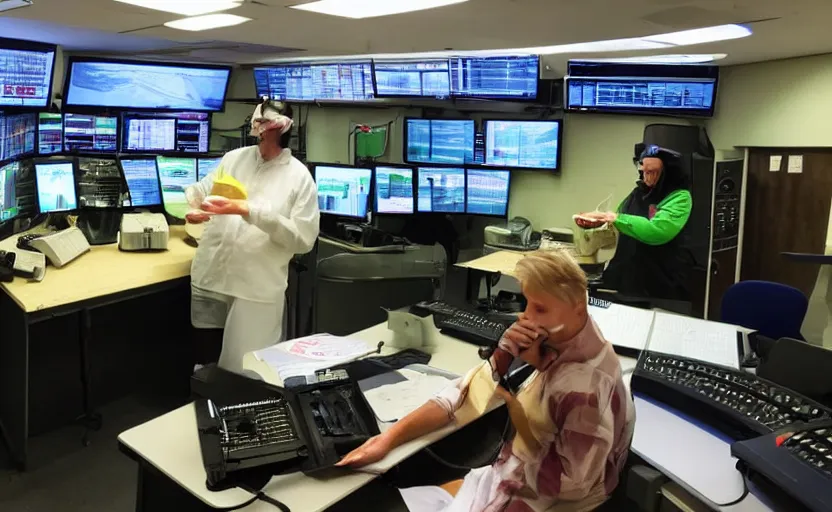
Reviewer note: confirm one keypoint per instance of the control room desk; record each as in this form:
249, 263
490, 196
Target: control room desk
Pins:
103, 276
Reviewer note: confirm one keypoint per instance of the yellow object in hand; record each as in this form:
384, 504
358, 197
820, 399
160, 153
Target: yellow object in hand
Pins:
227, 186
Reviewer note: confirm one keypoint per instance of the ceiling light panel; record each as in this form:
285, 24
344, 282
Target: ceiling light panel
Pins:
702, 35
358, 9
8, 5
207, 22
186, 7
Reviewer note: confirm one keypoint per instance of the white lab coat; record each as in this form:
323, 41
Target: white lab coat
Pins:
240, 270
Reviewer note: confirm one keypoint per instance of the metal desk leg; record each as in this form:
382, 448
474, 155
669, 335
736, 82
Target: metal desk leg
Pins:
91, 420
14, 379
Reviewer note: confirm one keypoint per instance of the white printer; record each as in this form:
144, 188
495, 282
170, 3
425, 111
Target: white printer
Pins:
143, 232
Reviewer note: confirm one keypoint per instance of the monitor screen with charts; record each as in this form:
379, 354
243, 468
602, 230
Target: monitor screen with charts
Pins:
186, 132
343, 191
50, 133
99, 183
441, 190
523, 144
345, 81
25, 74
487, 192
136, 85
88, 133
504, 77
394, 190
206, 166
176, 175
413, 78
8, 197
439, 141
56, 186
17, 135
142, 181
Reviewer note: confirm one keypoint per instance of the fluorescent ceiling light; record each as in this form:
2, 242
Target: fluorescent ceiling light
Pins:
8, 5
702, 35
186, 7
358, 9
700, 58
207, 22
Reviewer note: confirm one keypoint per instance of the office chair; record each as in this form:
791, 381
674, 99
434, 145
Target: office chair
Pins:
774, 310
801, 367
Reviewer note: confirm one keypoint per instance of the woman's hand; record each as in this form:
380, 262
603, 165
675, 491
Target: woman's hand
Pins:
593, 220
219, 205
197, 217
375, 449
521, 335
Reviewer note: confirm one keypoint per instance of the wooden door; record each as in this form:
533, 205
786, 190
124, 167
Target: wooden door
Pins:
786, 212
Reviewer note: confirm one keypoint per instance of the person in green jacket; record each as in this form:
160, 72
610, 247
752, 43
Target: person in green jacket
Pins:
651, 259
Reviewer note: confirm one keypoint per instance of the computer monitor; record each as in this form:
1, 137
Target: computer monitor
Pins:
50, 133
523, 144
413, 78
439, 141
99, 183
487, 192
176, 175
343, 191
441, 190
342, 82
8, 197
394, 190
26, 74
503, 77
142, 181
94, 83
56, 185
90, 133
207, 165
187, 132
17, 135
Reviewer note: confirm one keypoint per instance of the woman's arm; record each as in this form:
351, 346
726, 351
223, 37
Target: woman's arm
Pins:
297, 232
668, 222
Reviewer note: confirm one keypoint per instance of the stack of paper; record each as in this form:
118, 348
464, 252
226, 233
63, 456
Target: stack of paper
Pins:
304, 356
393, 402
683, 336
624, 326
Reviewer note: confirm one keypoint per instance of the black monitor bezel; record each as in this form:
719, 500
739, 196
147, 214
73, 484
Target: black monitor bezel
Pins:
313, 168
508, 191
21, 44
85, 152
444, 168
145, 156
409, 96
375, 189
37, 136
519, 99
56, 160
98, 108
431, 164
321, 63
559, 164
97, 156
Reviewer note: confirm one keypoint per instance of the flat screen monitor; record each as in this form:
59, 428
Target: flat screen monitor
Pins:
142, 181
206, 166
394, 190
99, 183
176, 175
25, 74
684, 90
413, 78
523, 144
186, 132
441, 190
17, 135
89, 133
343, 191
487, 192
345, 82
50, 133
56, 186
505, 77
8, 191
439, 141
137, 85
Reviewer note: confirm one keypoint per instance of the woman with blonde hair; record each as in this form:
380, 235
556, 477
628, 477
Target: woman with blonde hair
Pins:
573, 417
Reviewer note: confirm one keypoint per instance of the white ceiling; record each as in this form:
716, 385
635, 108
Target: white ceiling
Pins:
799, 27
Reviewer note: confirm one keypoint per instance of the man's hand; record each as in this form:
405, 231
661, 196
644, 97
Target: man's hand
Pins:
197, 217
219, 205
375, 449
521, 335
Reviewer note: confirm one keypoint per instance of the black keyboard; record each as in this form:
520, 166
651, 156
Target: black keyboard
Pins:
469, 326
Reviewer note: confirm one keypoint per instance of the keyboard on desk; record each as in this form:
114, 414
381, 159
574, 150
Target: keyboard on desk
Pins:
470, 326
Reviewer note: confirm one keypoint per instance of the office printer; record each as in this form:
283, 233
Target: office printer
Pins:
143, 232
516, 235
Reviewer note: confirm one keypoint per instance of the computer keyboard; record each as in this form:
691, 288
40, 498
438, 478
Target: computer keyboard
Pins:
470, 326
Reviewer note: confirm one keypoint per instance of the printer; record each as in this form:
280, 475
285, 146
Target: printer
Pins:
515, 235
143, 232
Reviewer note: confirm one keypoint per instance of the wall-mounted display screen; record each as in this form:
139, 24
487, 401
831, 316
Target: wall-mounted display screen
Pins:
50, 133
90, 133
343, 191
439, 141
186, 132
345, 81
394, 190
17, 135
487, 192
441, 190
413, 78
509, 77
523, 144
25, 74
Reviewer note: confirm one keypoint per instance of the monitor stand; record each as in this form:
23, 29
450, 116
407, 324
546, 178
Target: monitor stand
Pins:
100, 227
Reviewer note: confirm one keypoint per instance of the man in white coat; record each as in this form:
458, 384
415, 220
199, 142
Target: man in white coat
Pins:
240, 270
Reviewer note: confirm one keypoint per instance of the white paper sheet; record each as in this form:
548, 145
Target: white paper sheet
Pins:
795, 164
303, 356
774, 162
624, 326
693, 338
395, 401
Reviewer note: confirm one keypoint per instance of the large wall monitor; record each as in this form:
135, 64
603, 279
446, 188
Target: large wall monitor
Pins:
341, 82
136, 85
8, 196
487, 192
187, 132
505, 77
684, 90
413, 78
56, 185
441, 190
394, 190
17, 135
142, 181
50, 133
26, 74
176, 175
523, 144
89, 133
343, 191
439, 141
